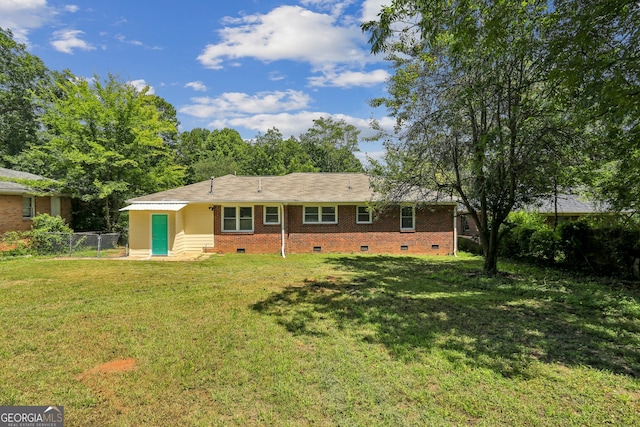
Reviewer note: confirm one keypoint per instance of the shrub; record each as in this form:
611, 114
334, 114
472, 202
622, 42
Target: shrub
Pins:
543, 244
49, 234
14, 243
607, 249
529, 238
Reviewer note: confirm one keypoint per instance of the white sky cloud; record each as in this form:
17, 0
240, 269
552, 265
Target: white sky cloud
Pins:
197, 86
140, 84
287, 33
238, 104
289, 124
20, 16
71, 8
121, 38
348, 79
371, 9
67, 40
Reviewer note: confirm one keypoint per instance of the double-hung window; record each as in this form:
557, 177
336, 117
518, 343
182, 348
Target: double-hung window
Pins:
28, 206
407, 218
320, 215
271, 215
363, 215
237, 218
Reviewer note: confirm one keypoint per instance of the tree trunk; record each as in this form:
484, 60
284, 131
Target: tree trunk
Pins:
489, 241
107, 215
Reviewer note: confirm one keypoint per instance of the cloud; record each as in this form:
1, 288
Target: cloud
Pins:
20, 16
72, 8
287, 33
236, 104
289, 124
371, 9
335, 7
276, 76
348, 79
67, 40
197, 86
122, 39
140, 85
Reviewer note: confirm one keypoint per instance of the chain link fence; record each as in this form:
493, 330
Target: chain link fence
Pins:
78, 244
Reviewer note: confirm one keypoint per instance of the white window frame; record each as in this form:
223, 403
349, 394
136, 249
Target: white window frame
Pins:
320, 214
264, 215
32, 207
369, 211
413, 218
237, 219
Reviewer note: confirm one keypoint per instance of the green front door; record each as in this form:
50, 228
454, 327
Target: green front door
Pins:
159, 234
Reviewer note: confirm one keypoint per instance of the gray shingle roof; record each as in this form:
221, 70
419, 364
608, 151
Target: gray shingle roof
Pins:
571, 204
295, 187
7, 185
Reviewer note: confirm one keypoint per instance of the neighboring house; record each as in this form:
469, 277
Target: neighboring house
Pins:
295, 213
570, 207
19, 203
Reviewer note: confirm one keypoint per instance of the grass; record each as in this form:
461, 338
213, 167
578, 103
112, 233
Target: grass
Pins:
318, 340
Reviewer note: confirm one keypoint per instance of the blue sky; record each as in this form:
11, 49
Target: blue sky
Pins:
245, 64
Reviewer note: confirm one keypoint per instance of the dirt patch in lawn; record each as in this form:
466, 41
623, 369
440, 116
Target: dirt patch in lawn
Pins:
97, 379
120, 365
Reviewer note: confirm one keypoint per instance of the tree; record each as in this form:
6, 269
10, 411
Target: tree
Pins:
595, 55
475, 114
22, 76
331, 144
272, 155
222, 152
105, 142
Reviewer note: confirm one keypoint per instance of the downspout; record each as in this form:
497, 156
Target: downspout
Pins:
455, 231
283, 230
212, 208
213, 212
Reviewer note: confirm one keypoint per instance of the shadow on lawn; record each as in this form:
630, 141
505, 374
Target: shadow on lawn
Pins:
414, 305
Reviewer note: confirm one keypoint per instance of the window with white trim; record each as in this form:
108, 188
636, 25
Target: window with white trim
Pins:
237, 218
407, 218
28, 207
320, 215
271, 215
363, 215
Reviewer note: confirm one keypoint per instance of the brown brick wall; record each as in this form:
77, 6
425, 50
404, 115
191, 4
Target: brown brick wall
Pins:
433, 233
11, 211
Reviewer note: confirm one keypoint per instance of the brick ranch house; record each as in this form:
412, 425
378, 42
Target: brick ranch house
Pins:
19, 203
295, 213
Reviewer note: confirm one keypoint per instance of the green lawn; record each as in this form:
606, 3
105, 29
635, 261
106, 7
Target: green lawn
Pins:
317, 340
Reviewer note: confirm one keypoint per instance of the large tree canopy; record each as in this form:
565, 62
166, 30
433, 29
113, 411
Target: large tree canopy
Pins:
22, 76
594, 53
331, 144
476, 116
105, 142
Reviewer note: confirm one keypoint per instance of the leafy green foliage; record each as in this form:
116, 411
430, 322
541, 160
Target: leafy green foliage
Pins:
600, 249
49, 235
22, 78
105, 142
475, 115
529, 238
331, 144
328, 146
